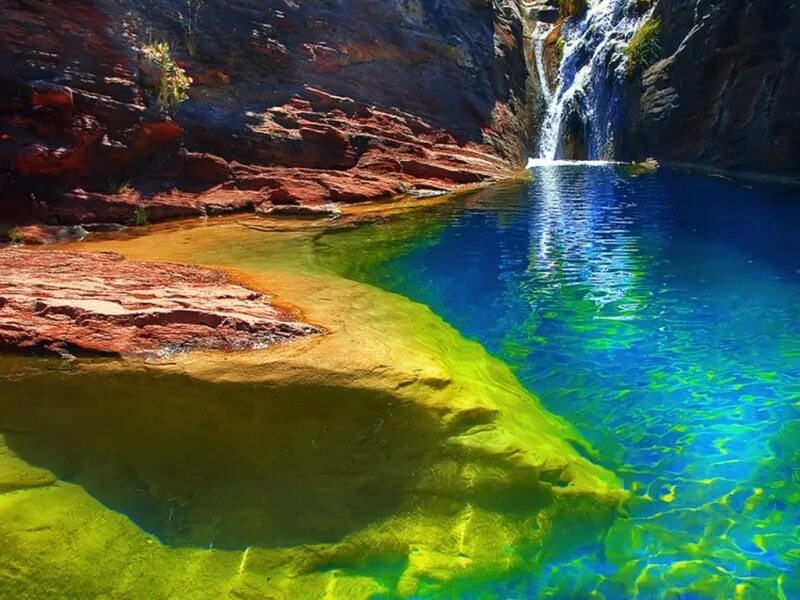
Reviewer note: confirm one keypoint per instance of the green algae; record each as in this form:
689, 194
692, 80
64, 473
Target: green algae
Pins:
389, 458
689, 416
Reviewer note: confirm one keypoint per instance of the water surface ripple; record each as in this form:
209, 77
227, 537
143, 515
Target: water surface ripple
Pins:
661, 315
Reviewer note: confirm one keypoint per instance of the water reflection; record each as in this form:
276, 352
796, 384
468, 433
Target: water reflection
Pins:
582, 243
661, 315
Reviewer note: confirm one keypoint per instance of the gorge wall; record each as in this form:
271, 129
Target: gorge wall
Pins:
295, 106
726, 92
291, 103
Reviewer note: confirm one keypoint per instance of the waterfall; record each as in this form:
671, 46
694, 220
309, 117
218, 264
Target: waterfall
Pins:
539, 35
591, 76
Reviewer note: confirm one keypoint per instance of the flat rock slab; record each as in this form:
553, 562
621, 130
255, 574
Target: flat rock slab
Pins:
61, 302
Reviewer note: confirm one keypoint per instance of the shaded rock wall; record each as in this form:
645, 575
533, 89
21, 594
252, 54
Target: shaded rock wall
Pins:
727, 90
400, 95
311, 103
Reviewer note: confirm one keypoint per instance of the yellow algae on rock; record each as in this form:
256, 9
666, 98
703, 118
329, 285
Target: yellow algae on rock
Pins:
389, 457
16, 475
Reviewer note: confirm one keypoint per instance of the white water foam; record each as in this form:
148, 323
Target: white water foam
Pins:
590, 77
560, 162
539, 36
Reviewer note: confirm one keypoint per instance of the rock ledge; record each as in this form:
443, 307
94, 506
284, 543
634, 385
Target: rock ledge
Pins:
99, 303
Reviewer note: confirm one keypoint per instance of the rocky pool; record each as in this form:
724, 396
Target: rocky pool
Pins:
495, 368
660, 315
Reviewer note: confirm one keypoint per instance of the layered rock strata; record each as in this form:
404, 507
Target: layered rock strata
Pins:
98, 303
290, 104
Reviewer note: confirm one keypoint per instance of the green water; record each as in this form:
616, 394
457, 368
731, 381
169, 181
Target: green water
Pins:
661, 315
389, 458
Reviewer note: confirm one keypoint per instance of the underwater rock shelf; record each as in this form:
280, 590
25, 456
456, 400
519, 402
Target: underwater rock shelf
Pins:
389, 457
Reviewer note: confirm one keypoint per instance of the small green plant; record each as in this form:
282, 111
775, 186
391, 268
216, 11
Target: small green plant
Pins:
560, 45
15, 235
189, 19
172, 85
139, 218
572, 8
644, 48
119, 187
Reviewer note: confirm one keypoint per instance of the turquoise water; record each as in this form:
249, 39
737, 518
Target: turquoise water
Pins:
660, 314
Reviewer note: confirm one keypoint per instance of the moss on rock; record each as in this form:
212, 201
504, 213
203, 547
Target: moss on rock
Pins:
390, 457
644, 47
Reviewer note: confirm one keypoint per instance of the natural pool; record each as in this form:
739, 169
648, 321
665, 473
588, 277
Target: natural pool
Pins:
388, 458
660, 314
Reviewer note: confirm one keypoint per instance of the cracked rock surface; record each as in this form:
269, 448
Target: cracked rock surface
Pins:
99, 303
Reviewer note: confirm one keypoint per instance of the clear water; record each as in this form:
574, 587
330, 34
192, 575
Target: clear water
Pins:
660, 314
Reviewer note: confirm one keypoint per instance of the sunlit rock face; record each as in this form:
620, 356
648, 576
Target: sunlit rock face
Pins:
727, 90
388, 96
66, 303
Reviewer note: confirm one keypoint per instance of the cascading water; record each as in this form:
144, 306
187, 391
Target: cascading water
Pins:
587, 98
542, 31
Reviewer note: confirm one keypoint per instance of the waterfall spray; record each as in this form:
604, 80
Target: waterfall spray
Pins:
539, 36
591, 77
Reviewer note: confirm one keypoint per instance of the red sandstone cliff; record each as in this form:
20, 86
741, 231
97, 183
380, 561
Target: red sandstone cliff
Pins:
291, 103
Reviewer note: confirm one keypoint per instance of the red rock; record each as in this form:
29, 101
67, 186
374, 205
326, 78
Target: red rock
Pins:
434, 170
298, 191
323, 101
49, 234
296, 103
100, 303
220, 201
52, 95
205, 168
80, 206
39, 159
361, 188
211, 78
153, 136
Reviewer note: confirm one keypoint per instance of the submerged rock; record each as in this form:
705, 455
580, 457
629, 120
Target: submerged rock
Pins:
641, 168
388, 457
49, 234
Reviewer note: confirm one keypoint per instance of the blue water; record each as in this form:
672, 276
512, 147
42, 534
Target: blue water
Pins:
660, 314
